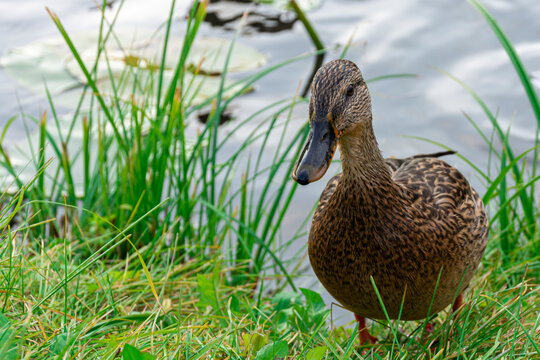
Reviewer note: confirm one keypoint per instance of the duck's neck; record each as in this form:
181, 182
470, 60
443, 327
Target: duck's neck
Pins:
362, 160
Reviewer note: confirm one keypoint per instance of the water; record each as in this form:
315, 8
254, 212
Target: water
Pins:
390, 36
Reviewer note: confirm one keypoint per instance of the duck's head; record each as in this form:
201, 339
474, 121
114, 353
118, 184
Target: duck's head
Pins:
340, 103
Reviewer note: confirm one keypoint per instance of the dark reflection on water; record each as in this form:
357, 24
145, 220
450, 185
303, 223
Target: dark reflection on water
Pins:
260, 18
224, 117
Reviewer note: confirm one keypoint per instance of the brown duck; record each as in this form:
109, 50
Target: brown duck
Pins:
406, 223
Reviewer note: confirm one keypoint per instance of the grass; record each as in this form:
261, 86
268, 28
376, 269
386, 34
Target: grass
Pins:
171, 250
201, 314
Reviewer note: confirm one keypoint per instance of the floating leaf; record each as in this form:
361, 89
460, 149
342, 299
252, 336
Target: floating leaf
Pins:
37, 62
211, 53
131, 56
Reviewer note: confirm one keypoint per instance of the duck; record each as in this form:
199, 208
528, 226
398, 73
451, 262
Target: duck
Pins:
412, 231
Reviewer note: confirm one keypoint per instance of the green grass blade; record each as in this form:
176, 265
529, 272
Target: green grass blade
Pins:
514, 58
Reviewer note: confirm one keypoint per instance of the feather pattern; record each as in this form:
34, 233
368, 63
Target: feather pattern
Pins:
414, 225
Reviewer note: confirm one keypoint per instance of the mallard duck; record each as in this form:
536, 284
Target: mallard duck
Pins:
415, 226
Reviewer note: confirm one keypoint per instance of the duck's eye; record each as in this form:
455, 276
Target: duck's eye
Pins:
350, 90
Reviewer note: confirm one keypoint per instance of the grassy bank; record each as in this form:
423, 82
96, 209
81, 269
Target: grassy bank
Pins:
163, 250
191, 310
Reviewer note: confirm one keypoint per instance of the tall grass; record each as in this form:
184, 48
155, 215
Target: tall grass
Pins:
137, 154
515, 216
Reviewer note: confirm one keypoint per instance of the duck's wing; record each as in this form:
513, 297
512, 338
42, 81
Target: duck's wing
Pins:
433, 181
394, 164
442, 200
434, 187
326, 195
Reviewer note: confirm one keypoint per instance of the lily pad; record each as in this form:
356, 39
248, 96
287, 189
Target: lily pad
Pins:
129, 55
211, 53
207, 53
38, 62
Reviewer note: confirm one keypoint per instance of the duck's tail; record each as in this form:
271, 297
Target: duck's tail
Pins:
435, 155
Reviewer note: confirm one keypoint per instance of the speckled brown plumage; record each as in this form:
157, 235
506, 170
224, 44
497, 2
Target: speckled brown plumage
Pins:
401, 221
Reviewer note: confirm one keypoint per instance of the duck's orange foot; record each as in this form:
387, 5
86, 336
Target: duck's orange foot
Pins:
363, 334
365, 337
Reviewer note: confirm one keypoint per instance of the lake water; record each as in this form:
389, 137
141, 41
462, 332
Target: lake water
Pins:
390, 37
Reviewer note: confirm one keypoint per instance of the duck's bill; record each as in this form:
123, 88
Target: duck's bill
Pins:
317, 154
